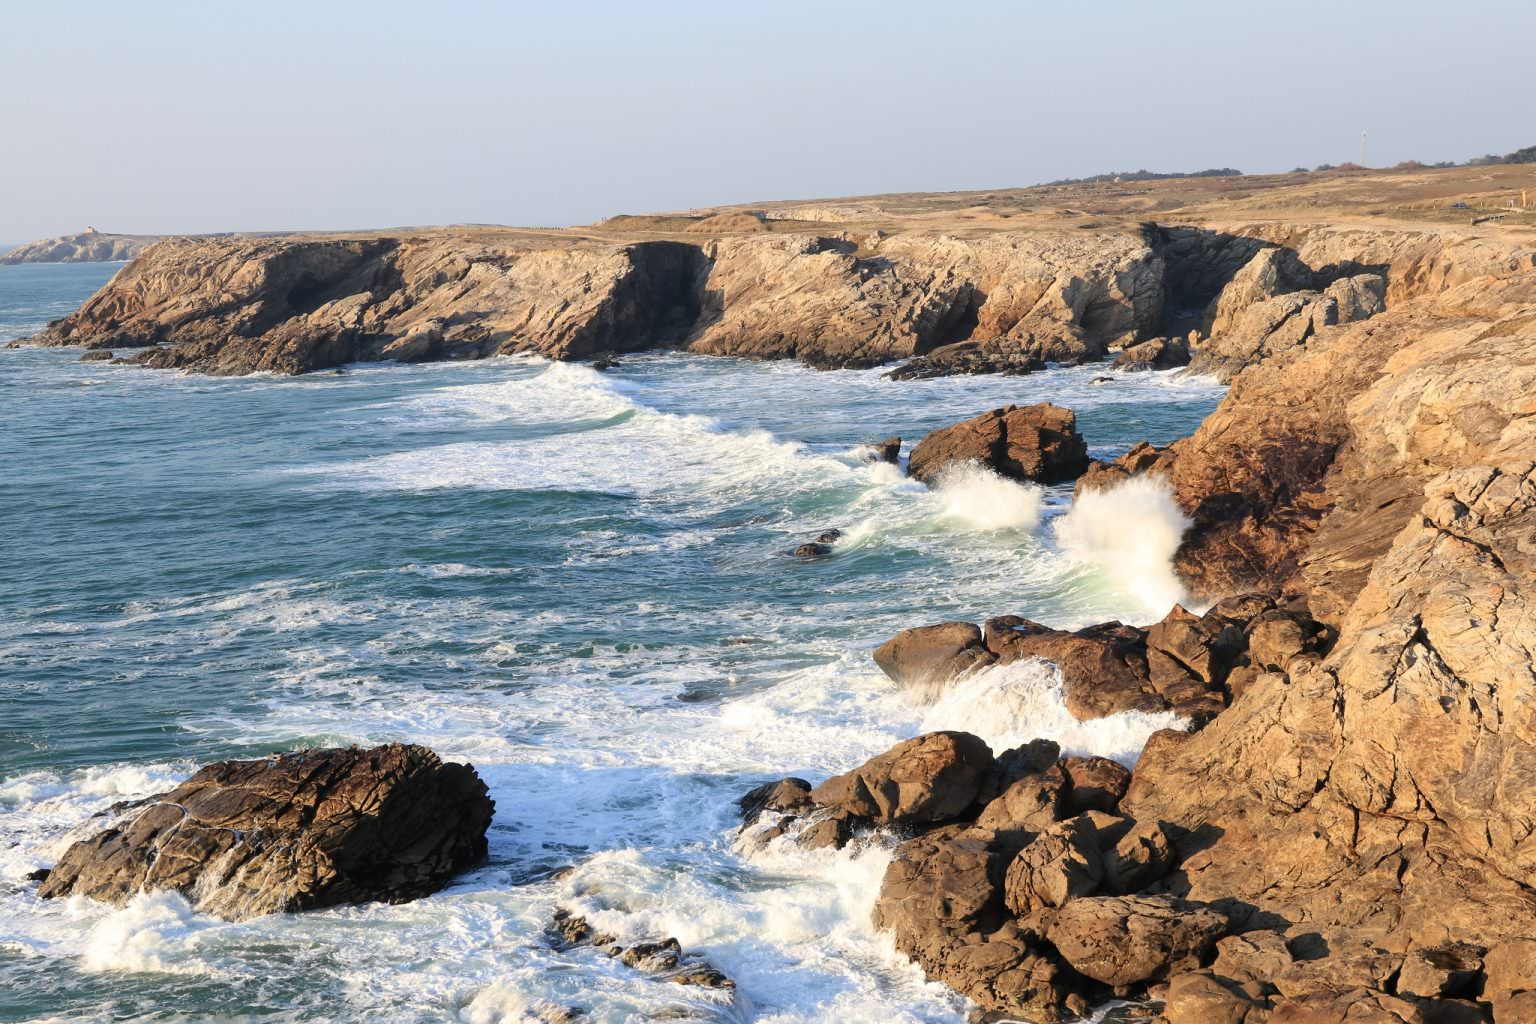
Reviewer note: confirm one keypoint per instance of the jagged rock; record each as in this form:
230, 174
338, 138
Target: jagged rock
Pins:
1257, 956
1349, 1006
968, 358
1015, 763
786, 796
1097, 784
813, 550
1509, 969
38, 875
1205, 997
1099, 475
1137, 859
1035, 442
1155, 354
1449, 970
927, 655
291, 832
888, 450
1103, 667
930, 778
1121, 940
1028, 806
1061, 865
942, 899
96, 355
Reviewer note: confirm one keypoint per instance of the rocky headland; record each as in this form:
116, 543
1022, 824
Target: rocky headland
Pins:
89, 246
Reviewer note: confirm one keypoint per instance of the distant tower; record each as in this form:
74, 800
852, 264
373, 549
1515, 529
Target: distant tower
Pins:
1362, 148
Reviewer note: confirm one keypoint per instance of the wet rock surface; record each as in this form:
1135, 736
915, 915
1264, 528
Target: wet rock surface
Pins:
291, 832
1036, 442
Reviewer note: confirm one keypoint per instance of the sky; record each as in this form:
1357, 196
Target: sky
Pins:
162, 116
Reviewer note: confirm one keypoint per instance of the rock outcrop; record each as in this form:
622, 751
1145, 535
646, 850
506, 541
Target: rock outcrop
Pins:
292, 832
89, 246
293, 304
1035, 442
1186, 663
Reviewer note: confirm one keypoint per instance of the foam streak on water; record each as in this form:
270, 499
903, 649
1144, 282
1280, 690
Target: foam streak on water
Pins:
579, 582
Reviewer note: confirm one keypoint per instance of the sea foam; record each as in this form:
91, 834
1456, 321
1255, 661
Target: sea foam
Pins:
982, 500
1129, 531
1008, 705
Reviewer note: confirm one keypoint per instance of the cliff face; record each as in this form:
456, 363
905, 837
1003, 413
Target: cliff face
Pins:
237, 305
86, 247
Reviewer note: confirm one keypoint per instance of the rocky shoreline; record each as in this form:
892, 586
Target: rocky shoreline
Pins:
1347, 829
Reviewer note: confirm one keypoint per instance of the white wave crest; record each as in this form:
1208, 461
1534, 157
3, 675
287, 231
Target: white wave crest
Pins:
1130, 531
1008, 705
154, 932
977, 497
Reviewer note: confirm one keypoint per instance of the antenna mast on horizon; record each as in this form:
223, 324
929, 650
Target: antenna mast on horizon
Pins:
1362, 148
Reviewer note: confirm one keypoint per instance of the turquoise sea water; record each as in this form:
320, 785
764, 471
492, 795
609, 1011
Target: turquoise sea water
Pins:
578, 581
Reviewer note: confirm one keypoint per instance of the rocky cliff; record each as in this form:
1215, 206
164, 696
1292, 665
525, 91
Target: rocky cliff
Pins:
237, 305
88, 246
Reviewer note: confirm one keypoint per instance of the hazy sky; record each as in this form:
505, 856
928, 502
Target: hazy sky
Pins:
215, 115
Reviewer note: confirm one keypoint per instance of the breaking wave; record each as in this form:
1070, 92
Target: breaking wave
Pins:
1130, 531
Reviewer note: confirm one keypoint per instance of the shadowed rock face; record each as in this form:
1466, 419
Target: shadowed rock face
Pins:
292, 832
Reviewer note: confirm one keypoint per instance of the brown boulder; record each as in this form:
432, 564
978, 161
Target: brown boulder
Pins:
1036, 442
1137, 859
1204, 997
927, 656
1122, 940
1510, 972
942, 899
291, 832
785, 796
1029, 806
1061, 865
1349, 1006
1097, 784
930, 778
1445, 971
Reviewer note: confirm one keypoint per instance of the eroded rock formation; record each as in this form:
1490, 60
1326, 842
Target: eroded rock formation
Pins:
291, 832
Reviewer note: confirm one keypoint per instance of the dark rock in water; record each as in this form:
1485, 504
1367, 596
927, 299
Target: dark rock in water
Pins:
604, 363
888, 450
576, 930
291, 832
930, 778
967, 358
39, 875
1155, 354
1036, 442
925, 655
813, 550
96, 355
829, 537
784, 796
1099, 382
668, 962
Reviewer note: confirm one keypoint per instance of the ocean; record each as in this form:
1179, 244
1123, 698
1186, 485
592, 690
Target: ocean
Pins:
578, 581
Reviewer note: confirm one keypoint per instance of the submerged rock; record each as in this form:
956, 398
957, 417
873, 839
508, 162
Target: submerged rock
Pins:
291, 832
1036, 442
